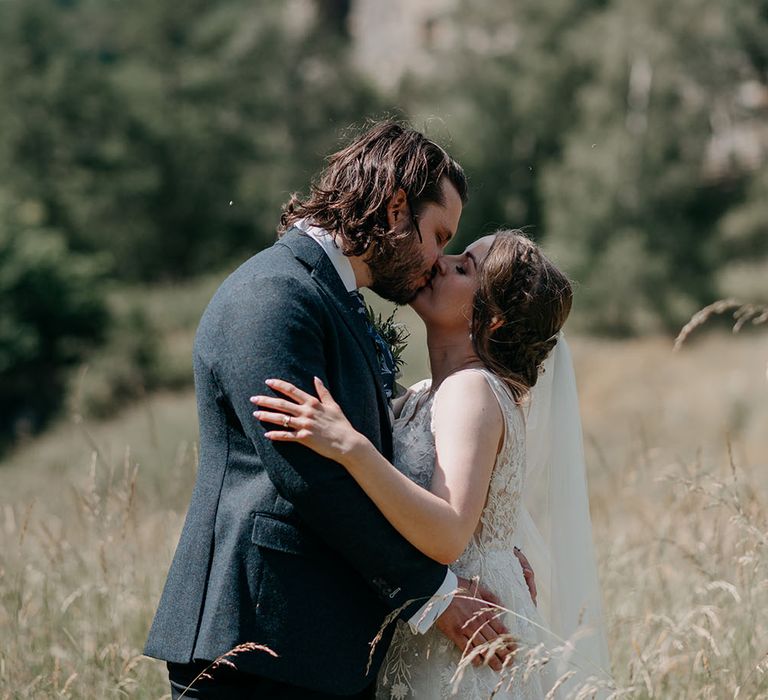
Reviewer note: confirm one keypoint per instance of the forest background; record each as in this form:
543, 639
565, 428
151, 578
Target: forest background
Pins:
146, 149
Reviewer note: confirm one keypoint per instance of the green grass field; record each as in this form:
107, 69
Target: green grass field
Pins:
677, 448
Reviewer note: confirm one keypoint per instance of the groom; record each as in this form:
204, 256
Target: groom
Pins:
280, 547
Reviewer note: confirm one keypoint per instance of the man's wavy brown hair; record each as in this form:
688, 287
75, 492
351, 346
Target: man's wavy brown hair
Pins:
349, 198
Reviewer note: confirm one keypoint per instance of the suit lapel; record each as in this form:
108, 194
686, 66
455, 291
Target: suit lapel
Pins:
326, 277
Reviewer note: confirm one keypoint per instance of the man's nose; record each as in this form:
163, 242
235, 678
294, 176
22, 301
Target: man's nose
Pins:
447, 260
441, 265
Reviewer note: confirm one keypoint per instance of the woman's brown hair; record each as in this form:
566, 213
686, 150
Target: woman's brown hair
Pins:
350, 197
521, 304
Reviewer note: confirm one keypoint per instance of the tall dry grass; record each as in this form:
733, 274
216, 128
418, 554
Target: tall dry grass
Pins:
677, 448
87, 529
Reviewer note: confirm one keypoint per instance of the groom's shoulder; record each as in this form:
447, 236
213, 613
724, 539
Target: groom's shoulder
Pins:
272, 275
274, 266
272, 259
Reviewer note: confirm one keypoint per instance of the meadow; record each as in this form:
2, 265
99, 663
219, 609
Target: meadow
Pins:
677, 448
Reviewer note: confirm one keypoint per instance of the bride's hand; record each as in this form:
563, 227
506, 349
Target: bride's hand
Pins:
528, 575
316, 422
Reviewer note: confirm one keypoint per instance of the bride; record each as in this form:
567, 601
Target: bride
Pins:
473, 452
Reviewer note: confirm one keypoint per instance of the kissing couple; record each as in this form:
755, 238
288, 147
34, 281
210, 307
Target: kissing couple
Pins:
343, 541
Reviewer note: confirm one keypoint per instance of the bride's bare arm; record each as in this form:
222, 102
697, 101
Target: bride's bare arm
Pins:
468, 429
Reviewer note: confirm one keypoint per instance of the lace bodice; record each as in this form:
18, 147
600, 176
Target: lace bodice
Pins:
414, 455
422, 666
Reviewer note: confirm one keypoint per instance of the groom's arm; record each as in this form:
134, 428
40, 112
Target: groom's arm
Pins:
282, 336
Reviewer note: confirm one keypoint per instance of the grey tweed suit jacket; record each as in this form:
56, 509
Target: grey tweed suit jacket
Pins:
280, 546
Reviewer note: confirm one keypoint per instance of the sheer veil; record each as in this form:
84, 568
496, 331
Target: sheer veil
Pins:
555, 529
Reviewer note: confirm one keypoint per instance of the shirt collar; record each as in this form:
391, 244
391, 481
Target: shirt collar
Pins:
332, 249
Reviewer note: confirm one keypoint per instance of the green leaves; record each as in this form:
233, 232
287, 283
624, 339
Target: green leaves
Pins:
393, 333
169, 136
622, 135
52, 311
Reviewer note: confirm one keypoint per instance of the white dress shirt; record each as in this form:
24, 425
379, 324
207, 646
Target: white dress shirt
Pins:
425, 617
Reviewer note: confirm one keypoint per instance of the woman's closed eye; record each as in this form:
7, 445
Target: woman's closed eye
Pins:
461, 269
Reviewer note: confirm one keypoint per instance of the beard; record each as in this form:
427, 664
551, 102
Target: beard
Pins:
397, 272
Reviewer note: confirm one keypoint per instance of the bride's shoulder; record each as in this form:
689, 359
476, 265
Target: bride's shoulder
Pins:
474, 379
488, 384
466, 409
470, 390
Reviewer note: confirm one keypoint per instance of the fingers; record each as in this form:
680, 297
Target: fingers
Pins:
282, 436
276, 418
481, 615
295, 410
478, 644
490, 618
531, 583
502, 650
289, 390
495, 647
467, 625
496, 624
290, 407
482, 647
494, 651
528, 575
485, 594
323, 394
493, 611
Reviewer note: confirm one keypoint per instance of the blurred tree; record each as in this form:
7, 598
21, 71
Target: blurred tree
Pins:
502, 84
169, 135
51, 313
334, 14
634, 205
610, 129
744, 229
154, 139
750, 20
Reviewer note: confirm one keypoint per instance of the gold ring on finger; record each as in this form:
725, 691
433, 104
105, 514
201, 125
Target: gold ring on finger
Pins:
286, 421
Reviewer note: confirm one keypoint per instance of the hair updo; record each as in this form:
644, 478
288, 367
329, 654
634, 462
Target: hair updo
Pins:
521, 303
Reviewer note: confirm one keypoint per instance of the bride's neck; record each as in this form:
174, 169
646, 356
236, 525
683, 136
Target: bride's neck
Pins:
449, 353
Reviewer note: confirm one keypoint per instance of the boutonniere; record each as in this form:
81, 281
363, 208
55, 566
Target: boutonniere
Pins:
393, 333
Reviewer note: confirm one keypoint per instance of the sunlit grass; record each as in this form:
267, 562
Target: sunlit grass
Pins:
90, 514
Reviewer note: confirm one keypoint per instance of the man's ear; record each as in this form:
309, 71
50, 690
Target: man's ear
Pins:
397, 207
496, 323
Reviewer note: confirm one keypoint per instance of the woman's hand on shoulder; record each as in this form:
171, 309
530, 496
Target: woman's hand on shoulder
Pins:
315, 422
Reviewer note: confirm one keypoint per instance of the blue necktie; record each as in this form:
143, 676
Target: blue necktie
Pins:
387, 366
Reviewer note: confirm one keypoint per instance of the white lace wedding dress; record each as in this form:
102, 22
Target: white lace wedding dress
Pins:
423, 667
